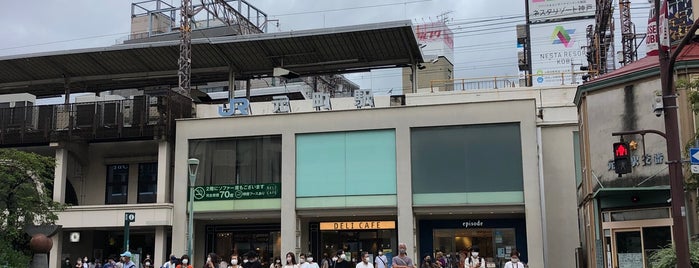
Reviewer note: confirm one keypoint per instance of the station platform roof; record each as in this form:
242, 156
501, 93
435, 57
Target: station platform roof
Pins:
308, 52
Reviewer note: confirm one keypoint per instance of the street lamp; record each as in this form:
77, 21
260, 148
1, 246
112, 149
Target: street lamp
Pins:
193, 164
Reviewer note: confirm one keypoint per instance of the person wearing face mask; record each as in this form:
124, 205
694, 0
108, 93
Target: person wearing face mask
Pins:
66, 263
402, 260
276, 263
366, 261
290, 260
147, 262
427, 262
311, 261
514, 260
184, 262
341, 260
475, 261
302, 261
380, 261
253, 261
85, 263
211, 260
235, 261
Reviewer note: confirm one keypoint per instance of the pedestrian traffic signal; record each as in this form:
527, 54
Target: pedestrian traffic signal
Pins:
622, 158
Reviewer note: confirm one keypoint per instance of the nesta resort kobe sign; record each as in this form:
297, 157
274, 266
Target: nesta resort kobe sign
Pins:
238, 191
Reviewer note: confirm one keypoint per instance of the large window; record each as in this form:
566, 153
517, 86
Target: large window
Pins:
147, 182
346, 163
245, 160
467, 159
117, 184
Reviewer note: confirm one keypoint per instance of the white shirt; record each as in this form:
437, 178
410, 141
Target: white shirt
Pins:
472, 261
381, 261
305, 265
313, 265
361, 264
510, 264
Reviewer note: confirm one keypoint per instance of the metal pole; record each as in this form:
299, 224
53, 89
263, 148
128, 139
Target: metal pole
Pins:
679, 228
191, 219
126, 235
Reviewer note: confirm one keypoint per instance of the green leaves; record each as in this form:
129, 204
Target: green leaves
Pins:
666, 258
26, 182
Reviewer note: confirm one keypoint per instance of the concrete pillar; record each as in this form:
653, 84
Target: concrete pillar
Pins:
163, 184
231, 83
160, 253
179, 212
289, 222
56, 251
404, 196
60, 174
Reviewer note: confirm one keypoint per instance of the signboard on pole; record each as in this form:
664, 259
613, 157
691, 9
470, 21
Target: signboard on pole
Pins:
558, 51
237, 191
546, 10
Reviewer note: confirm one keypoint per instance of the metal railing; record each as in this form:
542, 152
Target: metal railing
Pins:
150, 116
499, 82
163, 18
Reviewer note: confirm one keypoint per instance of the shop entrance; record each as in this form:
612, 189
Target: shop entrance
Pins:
631, 236
353, 238
495, 243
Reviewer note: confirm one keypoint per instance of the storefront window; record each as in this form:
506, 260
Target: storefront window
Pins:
495, 244
227, 239
147, 182
354, 238
466, 159
244, 160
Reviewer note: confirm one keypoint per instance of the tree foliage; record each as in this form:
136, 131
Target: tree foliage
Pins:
666, 257
26, 181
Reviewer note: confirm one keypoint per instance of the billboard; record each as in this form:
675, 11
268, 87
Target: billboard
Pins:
437, 38
558, 50
680, 18
545, 10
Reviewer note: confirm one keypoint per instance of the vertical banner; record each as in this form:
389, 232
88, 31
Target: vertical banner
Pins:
680, 18
653, 29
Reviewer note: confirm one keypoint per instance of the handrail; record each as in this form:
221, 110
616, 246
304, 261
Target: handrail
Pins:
506, 81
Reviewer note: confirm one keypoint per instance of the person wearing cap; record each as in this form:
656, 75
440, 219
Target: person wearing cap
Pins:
475, 260
127, 260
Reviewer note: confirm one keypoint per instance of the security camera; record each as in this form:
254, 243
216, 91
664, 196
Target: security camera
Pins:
657, 105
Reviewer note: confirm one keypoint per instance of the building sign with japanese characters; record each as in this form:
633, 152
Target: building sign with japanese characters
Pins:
547, 10
642, 160
237, 191
363, 98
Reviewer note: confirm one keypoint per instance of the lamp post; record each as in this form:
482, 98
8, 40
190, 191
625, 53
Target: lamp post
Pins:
193, 164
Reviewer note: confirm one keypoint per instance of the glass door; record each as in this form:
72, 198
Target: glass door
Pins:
628, 249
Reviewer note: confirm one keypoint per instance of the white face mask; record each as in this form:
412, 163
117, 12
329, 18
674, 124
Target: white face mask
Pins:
380, 253
234, 261
208, 259
85, 260
474, 254
147, 263
245, 261
279, 261
514, 259
310, 259
185, 261
343, 256
302, 260
334, 258
367, 259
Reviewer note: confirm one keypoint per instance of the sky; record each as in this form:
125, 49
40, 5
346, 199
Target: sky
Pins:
484, 43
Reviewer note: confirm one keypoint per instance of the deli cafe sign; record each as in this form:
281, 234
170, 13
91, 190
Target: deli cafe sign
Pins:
357, 225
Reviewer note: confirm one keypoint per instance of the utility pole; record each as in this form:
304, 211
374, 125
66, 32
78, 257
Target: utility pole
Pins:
666, 65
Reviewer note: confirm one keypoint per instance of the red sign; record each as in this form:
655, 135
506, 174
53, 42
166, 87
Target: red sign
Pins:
653, 29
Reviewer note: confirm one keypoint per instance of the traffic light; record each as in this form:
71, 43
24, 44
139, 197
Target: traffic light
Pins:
622, 158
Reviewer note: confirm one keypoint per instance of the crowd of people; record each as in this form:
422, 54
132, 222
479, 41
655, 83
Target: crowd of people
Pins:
465, 259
